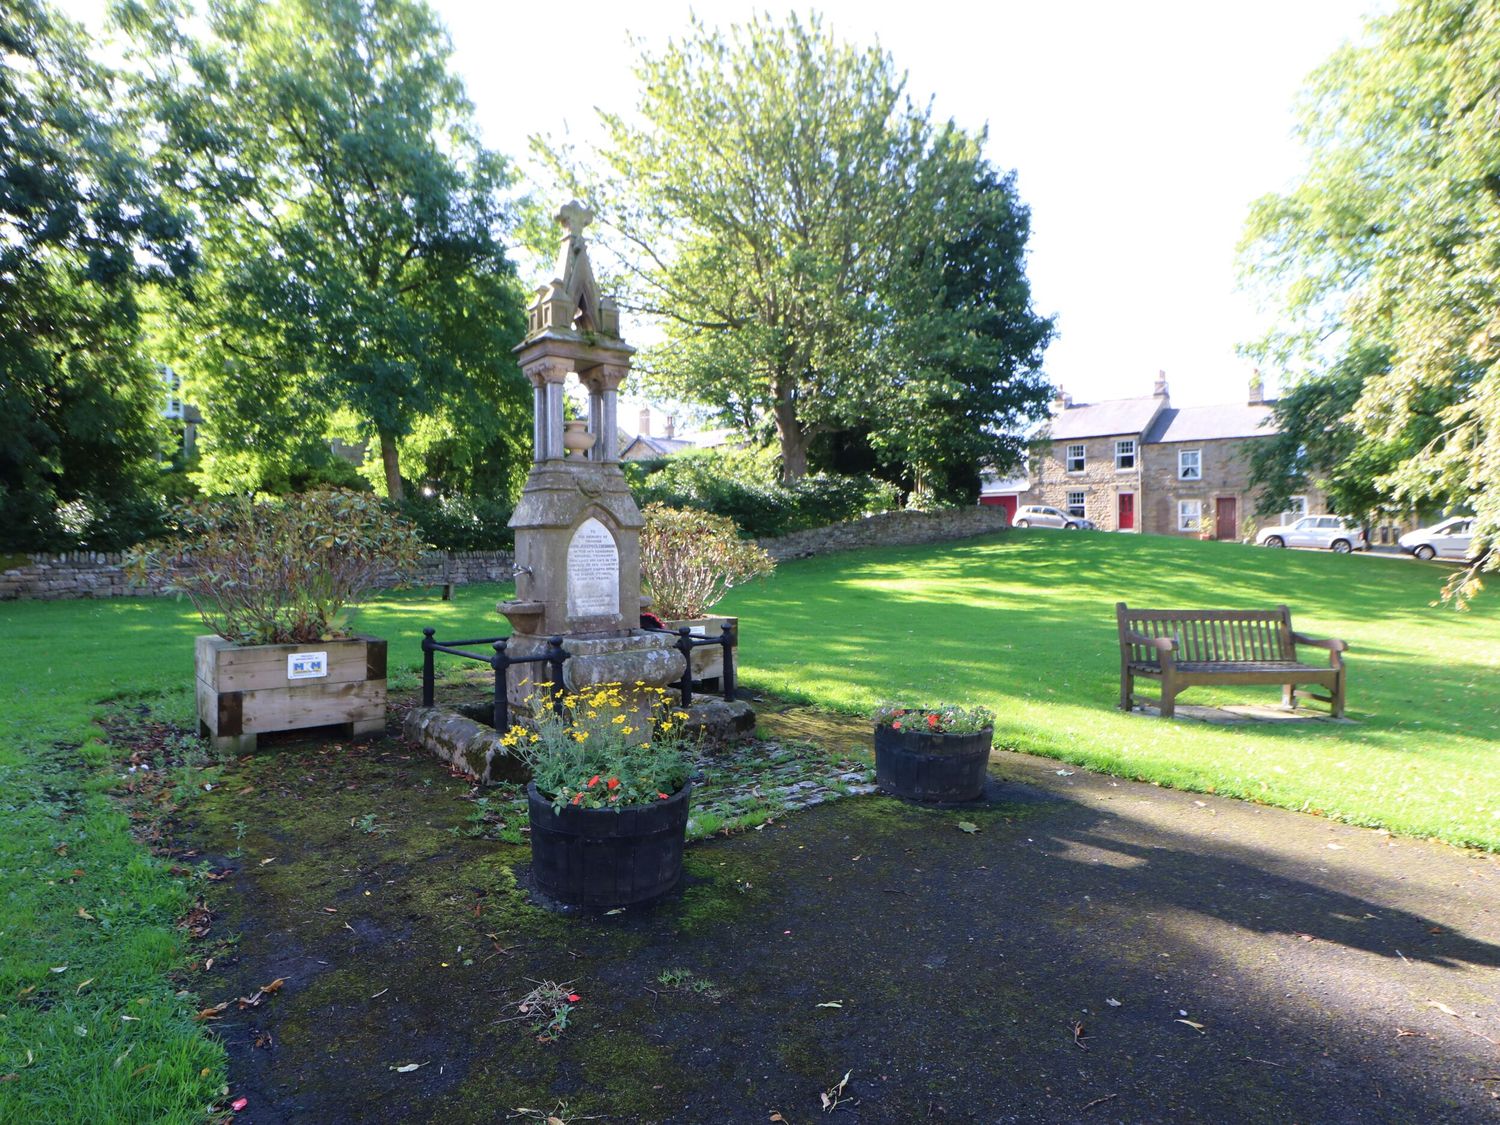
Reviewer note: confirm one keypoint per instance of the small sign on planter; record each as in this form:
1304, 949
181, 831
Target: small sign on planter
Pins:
306, 665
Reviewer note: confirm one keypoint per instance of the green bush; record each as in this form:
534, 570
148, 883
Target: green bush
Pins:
280, 570
738, 486
690, 559
460, 523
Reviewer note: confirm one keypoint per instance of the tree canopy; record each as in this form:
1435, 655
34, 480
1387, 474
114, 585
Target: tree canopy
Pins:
83, 228
351, 225
1388, 247
812, 246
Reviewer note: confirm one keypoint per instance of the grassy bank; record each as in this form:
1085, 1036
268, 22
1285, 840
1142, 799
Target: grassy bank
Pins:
1025, 623
93, 1029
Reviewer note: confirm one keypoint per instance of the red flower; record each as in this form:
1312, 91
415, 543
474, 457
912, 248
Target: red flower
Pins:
577, 800
593, 781
663, 796
573, 998
895, 724
932, 720
613, 783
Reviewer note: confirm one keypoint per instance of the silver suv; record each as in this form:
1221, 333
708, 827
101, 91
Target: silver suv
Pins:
1039, 515
1331, 532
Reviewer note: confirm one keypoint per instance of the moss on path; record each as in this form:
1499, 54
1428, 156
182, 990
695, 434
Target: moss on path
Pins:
1097, 949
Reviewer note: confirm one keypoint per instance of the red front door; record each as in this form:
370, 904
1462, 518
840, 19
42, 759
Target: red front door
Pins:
1127, 511
1226, 521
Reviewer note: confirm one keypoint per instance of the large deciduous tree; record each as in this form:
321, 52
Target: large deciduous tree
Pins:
351, 224
1391, 245
82, 230
808, 240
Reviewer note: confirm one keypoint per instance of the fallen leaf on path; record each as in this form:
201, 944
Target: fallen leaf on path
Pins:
968, 826
1440, 1006
831, 1004
269, 859
82, 986
1198, 1027
1112, 1002
239, 1104
407, 1068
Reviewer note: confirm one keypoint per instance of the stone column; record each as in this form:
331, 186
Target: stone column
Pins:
607, 379
596, 425
547, 376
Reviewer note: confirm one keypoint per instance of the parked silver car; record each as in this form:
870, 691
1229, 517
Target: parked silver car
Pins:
1039, 515
1333, 533
1451, 539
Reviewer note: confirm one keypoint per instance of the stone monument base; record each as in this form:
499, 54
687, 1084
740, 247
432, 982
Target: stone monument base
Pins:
635, 659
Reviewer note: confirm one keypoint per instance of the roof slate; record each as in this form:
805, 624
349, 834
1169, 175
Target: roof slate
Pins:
1101, 419
1208, 423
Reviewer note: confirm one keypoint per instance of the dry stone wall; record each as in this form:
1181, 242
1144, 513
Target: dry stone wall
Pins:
889, 529
91, 574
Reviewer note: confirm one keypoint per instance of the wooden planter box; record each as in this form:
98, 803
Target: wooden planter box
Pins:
247, 690
708, 661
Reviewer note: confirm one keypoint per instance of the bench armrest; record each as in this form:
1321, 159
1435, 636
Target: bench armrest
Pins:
1164, 646
1332, 644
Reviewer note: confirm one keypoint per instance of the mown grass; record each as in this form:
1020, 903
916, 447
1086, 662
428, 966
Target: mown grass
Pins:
1025, 623
91, 1026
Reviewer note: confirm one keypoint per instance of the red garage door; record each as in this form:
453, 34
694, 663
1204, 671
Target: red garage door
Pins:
1006, 502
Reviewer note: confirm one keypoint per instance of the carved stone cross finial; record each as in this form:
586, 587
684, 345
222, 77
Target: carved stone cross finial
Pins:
575, 216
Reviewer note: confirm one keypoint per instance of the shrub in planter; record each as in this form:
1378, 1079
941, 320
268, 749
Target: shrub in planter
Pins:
608, 796
689, 561
275, 580
935, 754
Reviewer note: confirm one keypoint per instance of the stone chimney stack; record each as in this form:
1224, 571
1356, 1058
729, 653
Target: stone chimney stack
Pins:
1160, 390
671, 426
645, 429
1061, 401
1257, 389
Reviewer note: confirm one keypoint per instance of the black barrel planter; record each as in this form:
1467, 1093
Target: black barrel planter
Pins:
608, 857
939, 768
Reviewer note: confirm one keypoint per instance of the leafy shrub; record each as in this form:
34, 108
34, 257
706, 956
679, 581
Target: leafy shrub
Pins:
689, 559
947, 719
739, 486
280, 570
461, 523
590, 755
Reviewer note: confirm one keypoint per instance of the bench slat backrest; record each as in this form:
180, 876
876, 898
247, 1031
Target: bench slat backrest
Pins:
1220, 636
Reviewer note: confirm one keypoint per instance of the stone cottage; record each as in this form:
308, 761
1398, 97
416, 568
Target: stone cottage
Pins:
1141, 464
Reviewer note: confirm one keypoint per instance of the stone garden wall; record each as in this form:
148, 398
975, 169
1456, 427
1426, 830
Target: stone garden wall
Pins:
90, 574
889, 529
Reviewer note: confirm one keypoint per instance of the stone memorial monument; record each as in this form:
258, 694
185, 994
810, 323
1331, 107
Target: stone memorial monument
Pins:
577, 526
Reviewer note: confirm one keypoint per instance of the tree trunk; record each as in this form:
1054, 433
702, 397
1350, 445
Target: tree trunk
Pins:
793, 440
390, 458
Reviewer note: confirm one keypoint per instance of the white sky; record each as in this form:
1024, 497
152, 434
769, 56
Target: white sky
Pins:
1140, 133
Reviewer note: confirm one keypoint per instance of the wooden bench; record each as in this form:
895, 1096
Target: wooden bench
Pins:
1190, 647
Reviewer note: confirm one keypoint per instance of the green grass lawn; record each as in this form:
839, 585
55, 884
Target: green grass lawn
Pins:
1025, 623
91, 1028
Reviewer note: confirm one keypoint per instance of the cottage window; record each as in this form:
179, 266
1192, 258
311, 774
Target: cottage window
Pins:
1125, 454
1075, 458
1075, 503
1296, 509
1189, 512
1190, 464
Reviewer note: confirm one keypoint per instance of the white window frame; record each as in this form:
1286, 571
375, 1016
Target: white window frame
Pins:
1296, 509
1186, 522
1121, 452
1190, 470
1082, 457
1081, 506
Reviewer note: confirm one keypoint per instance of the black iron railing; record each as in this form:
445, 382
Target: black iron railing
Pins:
686, 643
500, 660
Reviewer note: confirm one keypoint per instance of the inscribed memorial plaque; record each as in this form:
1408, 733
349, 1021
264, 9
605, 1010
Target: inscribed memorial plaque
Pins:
593, 572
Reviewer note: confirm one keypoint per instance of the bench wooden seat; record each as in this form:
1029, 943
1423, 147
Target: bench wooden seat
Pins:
1185, 648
